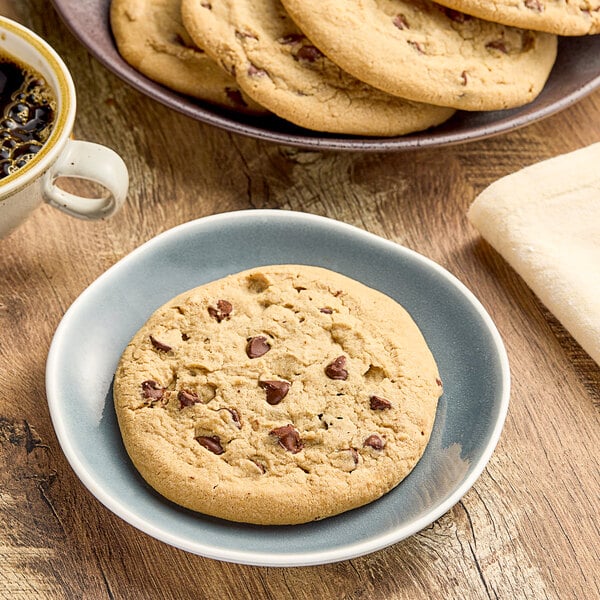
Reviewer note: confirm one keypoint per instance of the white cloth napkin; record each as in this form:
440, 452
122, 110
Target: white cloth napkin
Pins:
545, 221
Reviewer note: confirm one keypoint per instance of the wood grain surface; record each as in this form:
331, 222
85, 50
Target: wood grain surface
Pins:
529, 528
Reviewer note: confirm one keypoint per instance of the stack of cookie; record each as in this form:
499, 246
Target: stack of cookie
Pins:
376, 68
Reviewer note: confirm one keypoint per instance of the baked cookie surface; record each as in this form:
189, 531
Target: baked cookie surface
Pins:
279, 395
280, 68
429, 53
151, 37
561, 17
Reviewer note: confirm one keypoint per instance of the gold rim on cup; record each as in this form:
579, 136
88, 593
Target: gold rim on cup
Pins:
65, 100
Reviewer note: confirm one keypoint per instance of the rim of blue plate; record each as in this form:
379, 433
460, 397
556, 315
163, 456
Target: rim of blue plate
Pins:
359, 548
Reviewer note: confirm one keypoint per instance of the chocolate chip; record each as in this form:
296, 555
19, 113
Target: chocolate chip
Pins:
374, 441
152, 391
241, 35
288, 438
535, 5
211, 442
235, 417
378, 403
336, 369
464, 78
254, 71
159, 345
292, 38
276, 390
497, 45
326, 311
400, 22
417, 46
257, 346
222, 311
187, 398
439, 381
309, 53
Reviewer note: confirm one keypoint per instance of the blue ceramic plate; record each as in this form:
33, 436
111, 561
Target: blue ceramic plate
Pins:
95, 330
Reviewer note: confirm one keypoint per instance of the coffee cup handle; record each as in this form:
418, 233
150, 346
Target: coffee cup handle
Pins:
86, 160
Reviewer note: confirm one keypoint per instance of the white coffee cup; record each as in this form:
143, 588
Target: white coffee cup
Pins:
60, 156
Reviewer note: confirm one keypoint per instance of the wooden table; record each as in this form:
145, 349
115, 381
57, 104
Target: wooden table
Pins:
529, 528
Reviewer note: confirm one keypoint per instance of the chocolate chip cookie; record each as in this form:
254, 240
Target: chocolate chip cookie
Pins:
278, 66
581, 17
429, 53
150, 36
279, 395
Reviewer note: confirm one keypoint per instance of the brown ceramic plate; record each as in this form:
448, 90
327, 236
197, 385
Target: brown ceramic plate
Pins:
575, 74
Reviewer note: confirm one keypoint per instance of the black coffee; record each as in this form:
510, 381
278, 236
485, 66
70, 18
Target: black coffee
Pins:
27, 111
